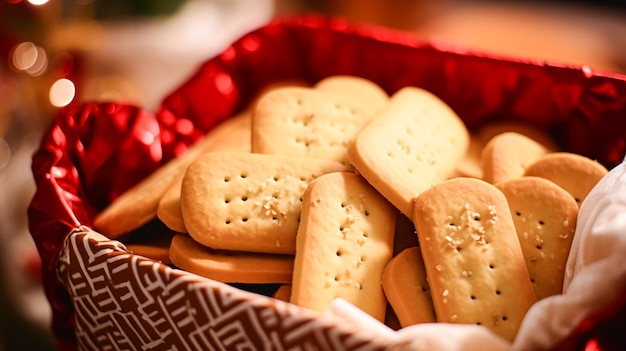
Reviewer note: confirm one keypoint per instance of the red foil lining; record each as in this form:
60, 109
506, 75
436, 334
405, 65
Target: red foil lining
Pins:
95, 151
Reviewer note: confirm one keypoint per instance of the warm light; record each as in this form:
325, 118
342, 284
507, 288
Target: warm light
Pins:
24, 55
29, 58
62, 92
38, 2
40, 64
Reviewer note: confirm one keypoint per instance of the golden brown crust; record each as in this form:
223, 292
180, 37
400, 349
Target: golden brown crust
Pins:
414, 142
545, 220
575, 173
248, 202
507, 155
230, 267
345, 239
407, 290
231, 135
305, 122
473, 259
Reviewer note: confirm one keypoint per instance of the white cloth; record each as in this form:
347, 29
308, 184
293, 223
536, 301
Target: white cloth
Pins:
595, 271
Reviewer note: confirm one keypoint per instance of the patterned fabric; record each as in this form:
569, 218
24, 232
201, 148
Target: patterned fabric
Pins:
126, 302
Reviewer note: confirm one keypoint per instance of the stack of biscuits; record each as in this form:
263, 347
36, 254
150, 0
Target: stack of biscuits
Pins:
340, 190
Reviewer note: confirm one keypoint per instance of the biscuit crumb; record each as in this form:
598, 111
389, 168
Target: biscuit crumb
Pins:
361, 240
270, 206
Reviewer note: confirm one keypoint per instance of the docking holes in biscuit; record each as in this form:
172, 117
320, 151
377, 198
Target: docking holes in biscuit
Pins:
305, 122
545, 220
344, 240
473, 259
414, 142
248, 202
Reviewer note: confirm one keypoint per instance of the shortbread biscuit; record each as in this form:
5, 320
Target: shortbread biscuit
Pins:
248, 202
345, 239
283, 293
406, 288
473, 259
575, 173
469, 165
230, 267
153, 243
231, 135
153, 252
138, 205
489, 130
507, 155
366, 94
414, 142
545, 220
304, 122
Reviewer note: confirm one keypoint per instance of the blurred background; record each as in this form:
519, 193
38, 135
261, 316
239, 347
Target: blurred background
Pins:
57, 52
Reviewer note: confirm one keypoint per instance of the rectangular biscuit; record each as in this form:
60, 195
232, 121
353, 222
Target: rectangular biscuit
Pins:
473, 259
506, 156
406, 287
413, 143
248, 202
231, 135
577, 174
545, 220
298, 121
344, 241
366, 94
230, 266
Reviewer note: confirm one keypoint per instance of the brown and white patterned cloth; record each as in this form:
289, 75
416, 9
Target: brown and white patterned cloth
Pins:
125, 301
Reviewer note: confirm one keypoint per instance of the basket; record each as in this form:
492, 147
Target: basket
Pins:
104, 297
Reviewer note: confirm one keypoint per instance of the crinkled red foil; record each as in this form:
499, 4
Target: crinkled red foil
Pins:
94, 152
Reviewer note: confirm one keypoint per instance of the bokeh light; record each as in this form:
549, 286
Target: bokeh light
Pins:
30, 58
38, 2
24, 55
62, 92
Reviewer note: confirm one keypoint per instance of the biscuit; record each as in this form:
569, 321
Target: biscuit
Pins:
489, 130
365, 94
544, 215
469, 165
473, 259
575, 173
414, 142
406, 288
283, 293
231, 135
229, 266
507, 155
138, 205
304, 122
153, 243
248, 202
153, 252
344, 241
